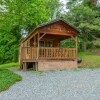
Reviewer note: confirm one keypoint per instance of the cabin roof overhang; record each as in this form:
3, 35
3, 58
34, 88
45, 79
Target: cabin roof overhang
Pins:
48, 23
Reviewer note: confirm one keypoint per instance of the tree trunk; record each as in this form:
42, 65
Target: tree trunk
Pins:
85, 40
93, 2
84, 46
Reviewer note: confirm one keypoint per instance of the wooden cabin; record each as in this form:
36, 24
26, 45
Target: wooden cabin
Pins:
41, 49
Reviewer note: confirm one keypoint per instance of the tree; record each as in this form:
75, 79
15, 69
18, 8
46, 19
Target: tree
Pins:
83, 14
16, 15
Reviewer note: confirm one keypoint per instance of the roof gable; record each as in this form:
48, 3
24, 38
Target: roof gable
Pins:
58, 20
64, 26
57, 27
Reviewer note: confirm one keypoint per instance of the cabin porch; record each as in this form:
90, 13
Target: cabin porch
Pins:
42, 48
46, 53
46, 58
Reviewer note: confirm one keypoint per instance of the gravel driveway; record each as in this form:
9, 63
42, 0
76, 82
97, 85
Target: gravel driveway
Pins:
83, 84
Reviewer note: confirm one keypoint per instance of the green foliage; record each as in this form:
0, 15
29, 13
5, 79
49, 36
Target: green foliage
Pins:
69, 43
97, 42
85, 14
7, 78
16, 15
83, 54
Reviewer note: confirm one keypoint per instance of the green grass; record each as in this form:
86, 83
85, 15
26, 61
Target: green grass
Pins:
9, 65
82, 54
8, 78
89, 60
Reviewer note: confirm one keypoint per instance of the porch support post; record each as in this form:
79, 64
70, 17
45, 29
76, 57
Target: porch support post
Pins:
35, 41
38, 45
36, 66
24, 66
76, 44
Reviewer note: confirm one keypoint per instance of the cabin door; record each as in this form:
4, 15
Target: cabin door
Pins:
44, 44
41, 50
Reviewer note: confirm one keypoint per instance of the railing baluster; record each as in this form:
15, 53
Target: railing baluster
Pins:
48, 53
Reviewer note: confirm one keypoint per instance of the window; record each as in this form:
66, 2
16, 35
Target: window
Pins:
42, 44
49, 43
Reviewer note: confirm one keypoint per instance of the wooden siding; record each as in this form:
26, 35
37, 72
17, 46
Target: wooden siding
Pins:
56, 28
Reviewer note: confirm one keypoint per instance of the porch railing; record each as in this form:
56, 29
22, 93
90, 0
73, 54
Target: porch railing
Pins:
29, 53
48, 53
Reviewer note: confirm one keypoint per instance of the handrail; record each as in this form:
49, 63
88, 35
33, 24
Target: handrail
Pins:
57, 53
48, 53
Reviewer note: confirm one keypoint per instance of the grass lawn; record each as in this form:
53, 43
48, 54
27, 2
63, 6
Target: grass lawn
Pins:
89, 60
9, 65
7, 77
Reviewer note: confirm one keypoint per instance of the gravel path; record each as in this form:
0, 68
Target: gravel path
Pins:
56, 85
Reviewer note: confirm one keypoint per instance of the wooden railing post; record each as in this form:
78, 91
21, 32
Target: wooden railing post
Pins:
76, 44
